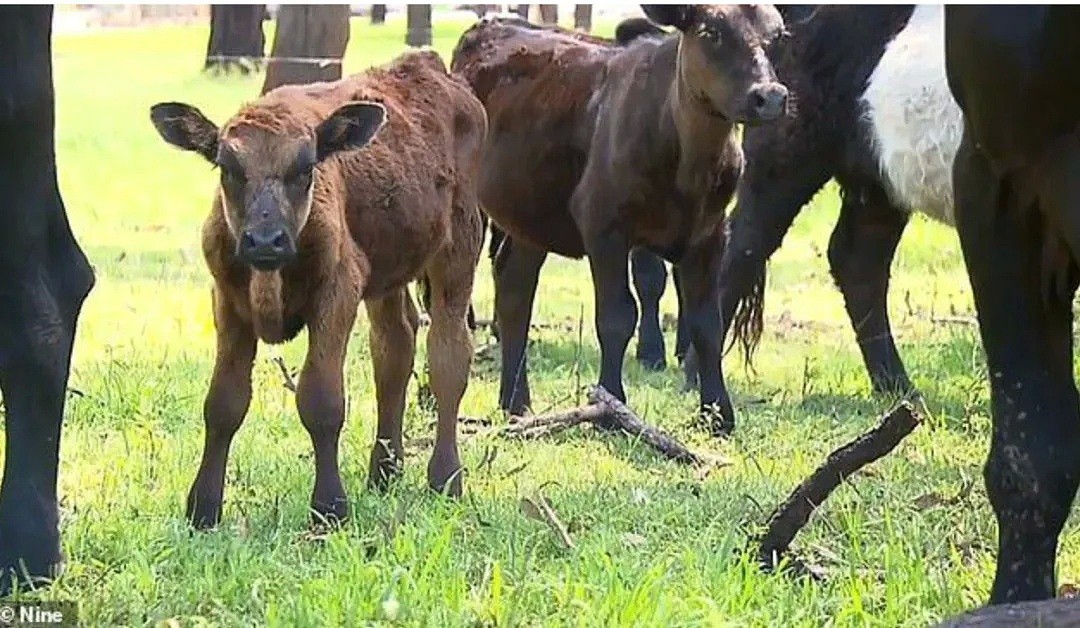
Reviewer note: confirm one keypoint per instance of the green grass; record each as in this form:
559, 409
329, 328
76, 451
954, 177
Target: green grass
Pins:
654, 545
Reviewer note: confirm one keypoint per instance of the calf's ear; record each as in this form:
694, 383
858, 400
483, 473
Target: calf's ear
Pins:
351, 126
185, 127
680, 16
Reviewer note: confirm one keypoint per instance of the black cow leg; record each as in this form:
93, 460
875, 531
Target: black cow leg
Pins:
650, 279
44, 278
616, 311
699, 275
861, 251
517, 271
1033, 468
37, 328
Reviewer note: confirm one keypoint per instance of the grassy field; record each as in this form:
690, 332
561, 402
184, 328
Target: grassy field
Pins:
654, 544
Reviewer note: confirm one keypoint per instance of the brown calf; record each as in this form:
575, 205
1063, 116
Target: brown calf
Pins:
595, 149
321, 206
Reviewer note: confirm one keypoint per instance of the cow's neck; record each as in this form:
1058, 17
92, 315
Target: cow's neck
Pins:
267, 303
703, 136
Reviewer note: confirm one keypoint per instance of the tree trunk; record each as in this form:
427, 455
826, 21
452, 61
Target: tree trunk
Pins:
308, 45
522, 10
583, 17
418, 25
549, 13
378, 14
236, 37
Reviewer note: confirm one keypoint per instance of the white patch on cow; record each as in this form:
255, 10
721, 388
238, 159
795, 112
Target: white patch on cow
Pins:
916, 123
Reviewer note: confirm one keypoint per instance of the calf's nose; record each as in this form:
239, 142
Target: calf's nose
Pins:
267, 246
768, 102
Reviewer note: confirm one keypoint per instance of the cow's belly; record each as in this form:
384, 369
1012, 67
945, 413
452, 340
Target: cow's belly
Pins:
915, 123
525, 187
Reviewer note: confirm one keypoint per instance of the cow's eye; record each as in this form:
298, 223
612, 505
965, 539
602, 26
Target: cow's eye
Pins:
232, 175
301, 176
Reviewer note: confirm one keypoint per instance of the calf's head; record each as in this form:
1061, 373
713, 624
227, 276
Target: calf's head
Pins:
723, 62
268, 162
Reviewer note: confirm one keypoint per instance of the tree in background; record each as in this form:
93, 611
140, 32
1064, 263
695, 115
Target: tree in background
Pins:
418, 25
378, 14
549, 13
236, 37
583, 17
308, 45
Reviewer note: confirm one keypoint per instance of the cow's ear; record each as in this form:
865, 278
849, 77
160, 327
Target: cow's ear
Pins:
185, 127
351, 126
680, 16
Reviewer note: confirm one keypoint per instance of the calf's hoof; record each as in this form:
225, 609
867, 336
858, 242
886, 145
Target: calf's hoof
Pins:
383, 469
445, 475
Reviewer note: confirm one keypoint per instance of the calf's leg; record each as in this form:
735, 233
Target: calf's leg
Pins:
517, 271
320, 395
1033, 468
450, 349
861, 251
226, 404
393, 348
616, 311
699, 276
650, 279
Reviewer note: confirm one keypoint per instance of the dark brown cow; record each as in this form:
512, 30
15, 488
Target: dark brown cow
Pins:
44, 278
596, 149
320, 207
1016, 176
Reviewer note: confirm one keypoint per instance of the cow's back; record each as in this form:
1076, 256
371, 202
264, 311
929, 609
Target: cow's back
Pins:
398, 191
537, 85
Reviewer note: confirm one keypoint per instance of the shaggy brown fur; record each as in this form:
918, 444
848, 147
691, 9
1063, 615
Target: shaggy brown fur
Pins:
595, 149
381, 215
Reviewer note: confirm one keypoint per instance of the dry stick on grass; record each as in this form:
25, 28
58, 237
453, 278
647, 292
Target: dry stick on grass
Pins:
790, 517
287, 378
954, 320
607, 412
541, 510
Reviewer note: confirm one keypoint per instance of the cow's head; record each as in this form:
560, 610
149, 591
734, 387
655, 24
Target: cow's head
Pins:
723, 61
268, 162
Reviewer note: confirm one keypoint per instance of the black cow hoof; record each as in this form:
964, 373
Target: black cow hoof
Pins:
203, 514
329, 514
14, 579
29, 560
722, 429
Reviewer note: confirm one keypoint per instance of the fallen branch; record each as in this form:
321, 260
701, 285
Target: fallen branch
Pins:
1047, 613
605, 412
790, 517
